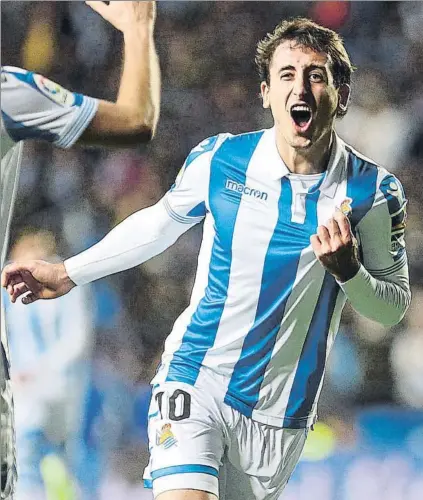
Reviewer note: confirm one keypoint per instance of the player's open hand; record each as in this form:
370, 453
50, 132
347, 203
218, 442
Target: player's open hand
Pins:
126, 15
35, 279
336, 247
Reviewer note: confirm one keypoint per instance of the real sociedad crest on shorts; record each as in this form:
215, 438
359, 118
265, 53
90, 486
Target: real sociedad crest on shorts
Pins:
165, 437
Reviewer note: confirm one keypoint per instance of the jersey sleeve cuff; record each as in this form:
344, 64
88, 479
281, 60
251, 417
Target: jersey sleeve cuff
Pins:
74, 130
358, 283
75, 270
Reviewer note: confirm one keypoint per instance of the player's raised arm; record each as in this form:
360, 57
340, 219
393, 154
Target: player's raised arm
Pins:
33, 107
133, 117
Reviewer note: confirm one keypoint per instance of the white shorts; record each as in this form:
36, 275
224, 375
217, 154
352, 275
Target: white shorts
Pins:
198, 442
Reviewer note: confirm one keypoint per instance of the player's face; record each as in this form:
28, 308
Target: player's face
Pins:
301, 94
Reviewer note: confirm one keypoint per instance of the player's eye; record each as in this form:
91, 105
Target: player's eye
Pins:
287, 76
316, 78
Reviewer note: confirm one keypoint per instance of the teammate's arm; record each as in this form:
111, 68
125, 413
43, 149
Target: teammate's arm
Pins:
133, 117
377, 287
34, 107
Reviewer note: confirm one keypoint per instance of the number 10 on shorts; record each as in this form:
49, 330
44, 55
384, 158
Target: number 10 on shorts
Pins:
176, 407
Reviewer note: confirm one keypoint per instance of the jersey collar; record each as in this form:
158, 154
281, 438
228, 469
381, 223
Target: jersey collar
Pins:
336, 168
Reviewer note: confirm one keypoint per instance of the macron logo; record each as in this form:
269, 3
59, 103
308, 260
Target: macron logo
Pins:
242, 188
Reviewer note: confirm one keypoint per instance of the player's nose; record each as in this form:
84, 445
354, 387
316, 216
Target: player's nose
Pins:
299, 88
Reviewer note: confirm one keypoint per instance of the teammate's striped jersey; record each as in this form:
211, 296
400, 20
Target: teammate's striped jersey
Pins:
33, 107
264, 313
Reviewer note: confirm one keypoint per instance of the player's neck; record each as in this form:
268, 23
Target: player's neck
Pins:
314, 160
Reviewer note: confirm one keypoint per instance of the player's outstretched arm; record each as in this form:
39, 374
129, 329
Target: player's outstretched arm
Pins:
41, 279
34, 107
134, 115
139, 237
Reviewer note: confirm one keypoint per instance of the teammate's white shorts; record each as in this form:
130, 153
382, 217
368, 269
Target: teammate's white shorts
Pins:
198, 442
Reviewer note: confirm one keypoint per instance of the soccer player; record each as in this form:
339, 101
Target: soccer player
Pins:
33, 107
295, 223
50, 345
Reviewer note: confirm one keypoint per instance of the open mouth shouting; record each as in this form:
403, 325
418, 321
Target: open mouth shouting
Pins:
301, 116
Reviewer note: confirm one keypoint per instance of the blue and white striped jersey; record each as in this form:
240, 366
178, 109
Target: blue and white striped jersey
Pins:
33, 107
264, 313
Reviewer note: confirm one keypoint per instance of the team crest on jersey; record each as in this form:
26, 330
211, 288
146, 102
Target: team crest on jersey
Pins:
165, 437
345, 206
54, 91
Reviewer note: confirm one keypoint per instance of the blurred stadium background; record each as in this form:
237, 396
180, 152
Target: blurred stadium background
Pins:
369, 442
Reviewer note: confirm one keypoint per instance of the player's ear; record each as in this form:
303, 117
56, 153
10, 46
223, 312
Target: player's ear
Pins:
344, 94
264, 89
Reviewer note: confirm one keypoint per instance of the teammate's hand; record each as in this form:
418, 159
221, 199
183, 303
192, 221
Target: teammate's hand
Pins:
336, 247
36, 278
126, 15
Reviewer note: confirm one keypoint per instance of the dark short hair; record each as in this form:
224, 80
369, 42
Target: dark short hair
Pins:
309, 34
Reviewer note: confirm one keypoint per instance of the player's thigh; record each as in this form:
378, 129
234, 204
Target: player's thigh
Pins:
234, 484
261, 460
186, 495
186, 441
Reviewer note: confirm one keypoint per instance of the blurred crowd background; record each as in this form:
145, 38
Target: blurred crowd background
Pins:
373, 396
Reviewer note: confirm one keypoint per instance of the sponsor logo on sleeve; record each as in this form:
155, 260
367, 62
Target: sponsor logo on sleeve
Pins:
54, 91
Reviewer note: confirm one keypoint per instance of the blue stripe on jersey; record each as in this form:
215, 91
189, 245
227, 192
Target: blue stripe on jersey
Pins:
19, 132
289, 239
230, 160
198, 211
361, 186
79, 98
205, 147
25, 77
394, 194
185, 469
313, 356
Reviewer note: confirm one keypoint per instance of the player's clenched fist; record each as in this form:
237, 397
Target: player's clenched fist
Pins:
37, 279
126, 15
336, 247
